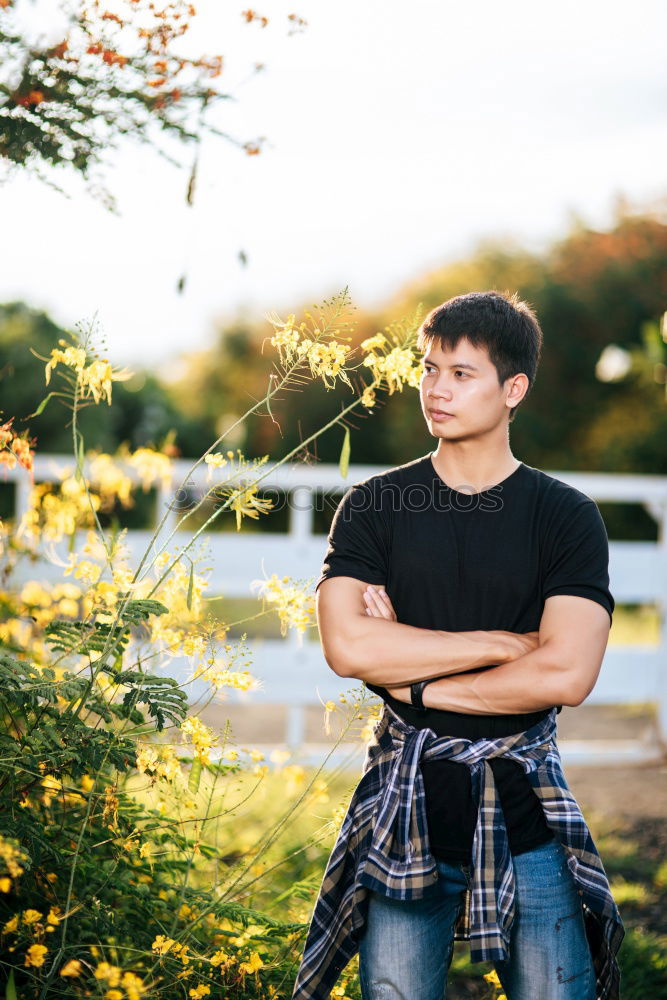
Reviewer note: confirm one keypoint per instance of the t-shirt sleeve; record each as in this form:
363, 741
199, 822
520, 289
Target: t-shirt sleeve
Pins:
577, 559
358, 539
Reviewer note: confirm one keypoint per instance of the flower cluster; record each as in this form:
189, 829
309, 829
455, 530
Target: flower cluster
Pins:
93, 379
393, 368
313, 345
53, 514
157, 761
201, 737
12, 857
113, 977
56, 511
151, 466
294, 605
15, 448
222, 677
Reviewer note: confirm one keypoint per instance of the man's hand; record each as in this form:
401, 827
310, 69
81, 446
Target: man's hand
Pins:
361, 638
378, 605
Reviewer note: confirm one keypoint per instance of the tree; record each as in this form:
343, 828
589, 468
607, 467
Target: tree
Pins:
116, 72
141, 412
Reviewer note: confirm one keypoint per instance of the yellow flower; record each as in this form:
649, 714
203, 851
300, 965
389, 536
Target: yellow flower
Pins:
132, 985
54, 916
372, 342
110, 480
241, 680
320, 790
295, 607
221, 958
114, 995
11, 926
31, 916
326, 360
246, 502
35, 595
11, 855
54, 514
395, 368
36, 955
286, 338
162, 944
5, 884
71, 968
72, 357
215, 461
368, 397
295, 775
108, 973
200, 991
201, 737
252, 965
96, 379
152, 466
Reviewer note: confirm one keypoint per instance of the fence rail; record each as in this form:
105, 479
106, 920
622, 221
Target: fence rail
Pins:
296, 674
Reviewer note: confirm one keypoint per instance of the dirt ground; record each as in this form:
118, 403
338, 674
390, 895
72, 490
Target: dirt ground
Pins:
626, 792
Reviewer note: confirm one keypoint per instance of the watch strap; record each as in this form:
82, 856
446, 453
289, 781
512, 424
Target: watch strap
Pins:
416, 695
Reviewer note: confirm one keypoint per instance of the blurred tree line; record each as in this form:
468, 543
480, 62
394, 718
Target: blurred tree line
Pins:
591, 289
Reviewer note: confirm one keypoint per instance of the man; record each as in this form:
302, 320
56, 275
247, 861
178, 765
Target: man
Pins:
471, 592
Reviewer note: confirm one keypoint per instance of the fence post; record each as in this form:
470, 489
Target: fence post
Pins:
300, 501
661, 603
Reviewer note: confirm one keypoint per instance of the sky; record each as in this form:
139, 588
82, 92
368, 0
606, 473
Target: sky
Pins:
398, 135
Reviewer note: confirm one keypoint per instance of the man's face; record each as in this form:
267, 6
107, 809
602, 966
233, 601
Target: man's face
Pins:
462, 382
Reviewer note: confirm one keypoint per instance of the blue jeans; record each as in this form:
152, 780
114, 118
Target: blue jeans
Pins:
406, 945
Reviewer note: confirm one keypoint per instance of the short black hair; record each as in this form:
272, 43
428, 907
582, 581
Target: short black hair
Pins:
502, 322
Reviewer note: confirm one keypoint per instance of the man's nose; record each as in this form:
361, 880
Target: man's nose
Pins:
440, 391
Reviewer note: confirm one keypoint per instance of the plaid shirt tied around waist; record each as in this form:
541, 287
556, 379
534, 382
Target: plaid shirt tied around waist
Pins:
383, 845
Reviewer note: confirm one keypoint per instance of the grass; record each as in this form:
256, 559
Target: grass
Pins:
633, 852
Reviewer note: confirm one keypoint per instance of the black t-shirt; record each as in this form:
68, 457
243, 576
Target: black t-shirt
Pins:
460, 562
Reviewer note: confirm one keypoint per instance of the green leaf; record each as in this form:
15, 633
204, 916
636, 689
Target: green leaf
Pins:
40, 409
141, 610
191, 584
80, 458
344, 460
10, 992
195, 775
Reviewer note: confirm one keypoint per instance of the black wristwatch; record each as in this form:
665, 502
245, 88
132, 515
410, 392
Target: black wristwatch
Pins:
416, 695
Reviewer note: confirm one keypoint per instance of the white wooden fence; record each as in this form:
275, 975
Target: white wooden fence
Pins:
297, 675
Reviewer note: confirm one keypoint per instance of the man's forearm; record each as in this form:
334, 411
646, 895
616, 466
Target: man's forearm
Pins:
386, 652
528, 684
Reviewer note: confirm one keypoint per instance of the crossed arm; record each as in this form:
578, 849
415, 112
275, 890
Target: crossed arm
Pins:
556, 666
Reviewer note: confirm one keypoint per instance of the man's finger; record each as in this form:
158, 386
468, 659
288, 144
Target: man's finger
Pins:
376, 603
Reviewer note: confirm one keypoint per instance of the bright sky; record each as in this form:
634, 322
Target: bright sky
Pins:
398, 135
